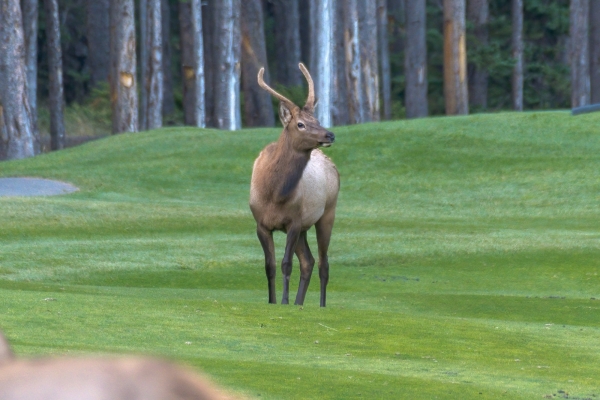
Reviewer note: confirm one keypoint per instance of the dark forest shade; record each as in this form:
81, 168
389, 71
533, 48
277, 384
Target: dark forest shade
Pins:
415, 61
168, 94
123, 78
478, 16
258, 110
208, 27
286, 15
98, 41
517, 54
17, 136
56, 92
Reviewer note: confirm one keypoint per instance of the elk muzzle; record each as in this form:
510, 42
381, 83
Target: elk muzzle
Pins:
330, 139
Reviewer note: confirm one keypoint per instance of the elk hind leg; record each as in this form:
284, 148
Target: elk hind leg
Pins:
307, 263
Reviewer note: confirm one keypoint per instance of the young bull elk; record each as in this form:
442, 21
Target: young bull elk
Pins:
295, 186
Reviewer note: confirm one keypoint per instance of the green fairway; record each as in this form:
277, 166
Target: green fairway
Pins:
465, 261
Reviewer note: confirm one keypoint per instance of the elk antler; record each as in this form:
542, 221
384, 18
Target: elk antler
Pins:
263, 85
310, 101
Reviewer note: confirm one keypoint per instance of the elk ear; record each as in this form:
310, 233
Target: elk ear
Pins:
285, 114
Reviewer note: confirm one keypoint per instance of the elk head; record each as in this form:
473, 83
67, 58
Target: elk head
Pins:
299, 124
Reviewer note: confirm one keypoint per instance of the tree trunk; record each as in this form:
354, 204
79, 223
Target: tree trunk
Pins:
455, 58
322, 57
192, 63
123, 67
208, 33
56, 98
168, 107
143, 102
478, 15
227, 49
595, 51
186, 37
153, 80
353, 73
17, 136
362, 75
341, 108
98, 41
258, 109
30, 30
199, 87
517, 53
287, 42
580, 67
367, 21
384, 58
415, 60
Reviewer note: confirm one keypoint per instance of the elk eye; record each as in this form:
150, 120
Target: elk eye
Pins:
300, 125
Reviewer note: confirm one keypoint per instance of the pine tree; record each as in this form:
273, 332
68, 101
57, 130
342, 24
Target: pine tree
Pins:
455, 58
17, 136
415, 63
123, 67
56, 98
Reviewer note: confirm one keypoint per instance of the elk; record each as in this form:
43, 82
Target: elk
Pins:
295, 186
99, 378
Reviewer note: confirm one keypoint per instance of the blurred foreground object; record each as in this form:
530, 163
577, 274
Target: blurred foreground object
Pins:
99, 378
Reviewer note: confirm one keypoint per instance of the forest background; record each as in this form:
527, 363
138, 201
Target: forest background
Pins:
547, 56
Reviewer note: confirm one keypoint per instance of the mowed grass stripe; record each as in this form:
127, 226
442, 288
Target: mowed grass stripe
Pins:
404, 346
464, 260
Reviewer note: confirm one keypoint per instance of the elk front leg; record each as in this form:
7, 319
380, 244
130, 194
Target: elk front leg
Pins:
307, 263
293, 234
324, 226
266, 240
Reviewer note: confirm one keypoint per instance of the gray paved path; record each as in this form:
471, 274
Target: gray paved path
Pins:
34, 187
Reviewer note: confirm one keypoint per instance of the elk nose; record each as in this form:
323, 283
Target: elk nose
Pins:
330, 136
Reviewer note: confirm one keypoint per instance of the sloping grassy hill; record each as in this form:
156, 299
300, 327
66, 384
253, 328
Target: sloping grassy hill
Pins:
465, 260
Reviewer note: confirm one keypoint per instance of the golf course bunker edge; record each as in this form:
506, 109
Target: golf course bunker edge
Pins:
14, 187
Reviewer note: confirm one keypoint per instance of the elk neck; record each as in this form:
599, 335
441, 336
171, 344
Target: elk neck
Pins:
288, 166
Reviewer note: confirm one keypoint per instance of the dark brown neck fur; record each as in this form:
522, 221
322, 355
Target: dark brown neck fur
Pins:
288, 167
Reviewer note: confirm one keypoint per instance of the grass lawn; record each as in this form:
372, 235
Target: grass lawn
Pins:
465, 261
